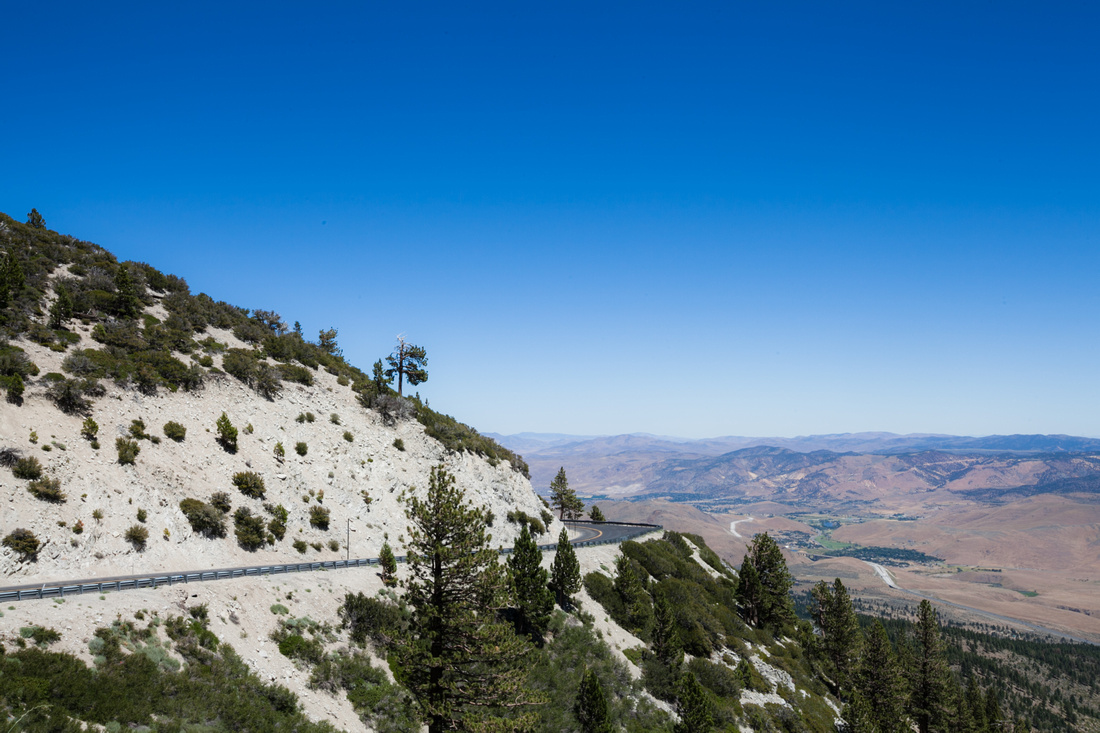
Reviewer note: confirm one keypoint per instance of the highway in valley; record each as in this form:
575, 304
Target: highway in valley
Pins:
889, 580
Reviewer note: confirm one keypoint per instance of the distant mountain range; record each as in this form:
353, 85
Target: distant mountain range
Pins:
643, 464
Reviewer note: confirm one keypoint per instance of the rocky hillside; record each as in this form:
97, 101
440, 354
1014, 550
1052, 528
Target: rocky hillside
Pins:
320, 448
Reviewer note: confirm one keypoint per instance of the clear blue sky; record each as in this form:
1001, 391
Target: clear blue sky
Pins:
691, 218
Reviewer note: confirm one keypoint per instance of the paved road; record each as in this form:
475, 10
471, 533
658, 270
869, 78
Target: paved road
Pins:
733, 526
588, 533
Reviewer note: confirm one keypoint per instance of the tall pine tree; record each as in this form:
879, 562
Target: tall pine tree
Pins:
462, 666
127, 302
693, 706
62, 308
565, 571
530, 585
632, 591
928, 688
831, 609
661, 666
878, 681
764, 591
563, 498
591, 708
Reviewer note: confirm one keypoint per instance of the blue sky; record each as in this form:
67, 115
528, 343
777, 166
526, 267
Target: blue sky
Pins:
694, 219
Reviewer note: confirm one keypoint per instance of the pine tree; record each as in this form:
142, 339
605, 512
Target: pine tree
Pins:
878, 680
62, 308
634, 596
831, 608
994, 717
127, 302
595, 514
565, 571
326, 340
563, 498
770, 605
928, 673
379, 379
12, 279
859, 715
975, 705
749, 592
227, 434
35, 220
407, 363
693, 707
661, 666
388, 563
460, 663
666, 637
530, 585
591, 707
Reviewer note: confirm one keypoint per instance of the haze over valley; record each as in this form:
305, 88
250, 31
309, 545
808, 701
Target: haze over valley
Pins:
1009, 524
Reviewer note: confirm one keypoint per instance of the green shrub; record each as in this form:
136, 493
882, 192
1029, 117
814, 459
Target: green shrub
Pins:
137, 430
69, 394
205, 519
280, 610
718, 678
294, 373
90, 429
127, 451
137, 536
333, 545
220, 501
249, 528
348, 436
399, 444
23, 542
371, 618
15, 387
250, 483
41, 636
27, 468
300, 545
295, 646
280, 452
227, 434
277, 525
521, 518
749, 678
301, 448
459, 437
175, 431
318, 517
142, 515
47, 489
334, 419
316, 546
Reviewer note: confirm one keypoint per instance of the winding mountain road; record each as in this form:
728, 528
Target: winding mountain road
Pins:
587, 534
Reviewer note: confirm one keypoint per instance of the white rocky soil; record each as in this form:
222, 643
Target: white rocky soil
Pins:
334, 473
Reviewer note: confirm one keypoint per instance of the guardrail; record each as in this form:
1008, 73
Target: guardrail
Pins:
201, 576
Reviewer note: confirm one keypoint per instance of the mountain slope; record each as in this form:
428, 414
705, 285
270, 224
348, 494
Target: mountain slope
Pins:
188, 359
